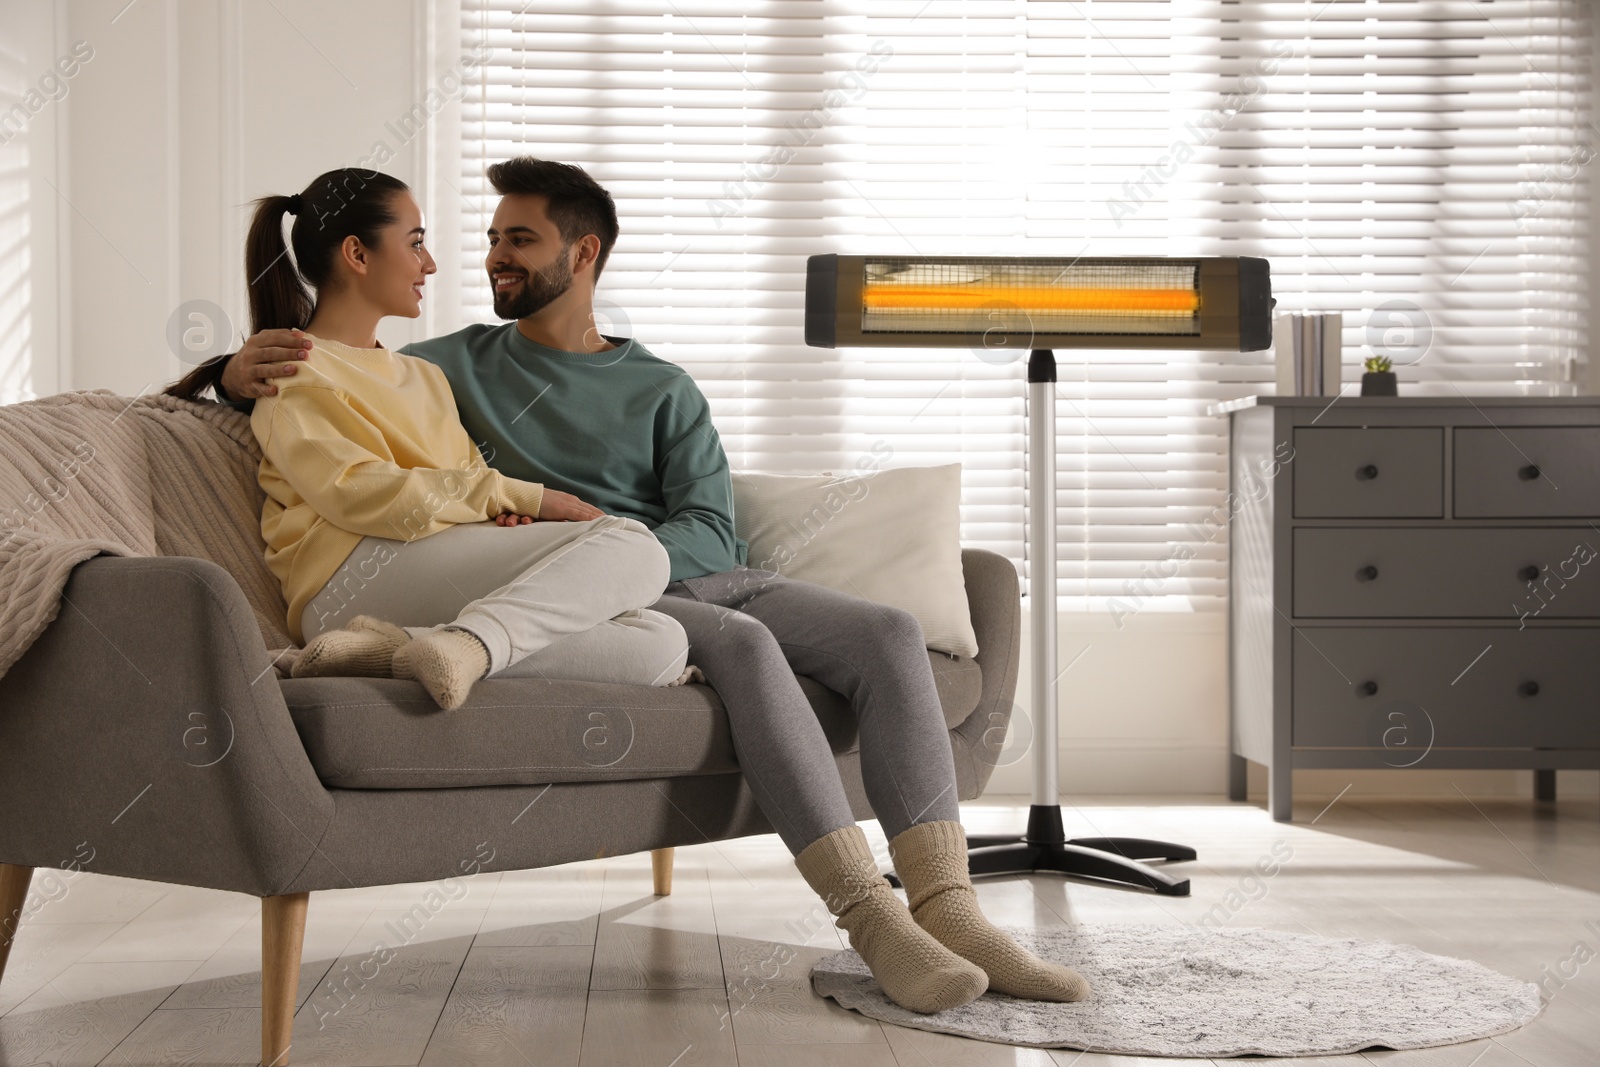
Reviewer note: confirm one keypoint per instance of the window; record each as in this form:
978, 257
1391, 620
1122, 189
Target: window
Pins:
1418, 166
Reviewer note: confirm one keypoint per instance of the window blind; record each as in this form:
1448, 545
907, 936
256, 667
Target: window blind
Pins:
1420, 167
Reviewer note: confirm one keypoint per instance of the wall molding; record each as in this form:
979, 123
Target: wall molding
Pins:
62, 176
230, 150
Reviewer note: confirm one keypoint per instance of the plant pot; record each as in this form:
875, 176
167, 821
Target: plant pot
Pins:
1379, 383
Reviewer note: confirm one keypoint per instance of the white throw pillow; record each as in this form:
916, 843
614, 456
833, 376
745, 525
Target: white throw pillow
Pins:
891, 535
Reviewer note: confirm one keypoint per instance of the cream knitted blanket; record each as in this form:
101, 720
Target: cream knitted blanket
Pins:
86, 473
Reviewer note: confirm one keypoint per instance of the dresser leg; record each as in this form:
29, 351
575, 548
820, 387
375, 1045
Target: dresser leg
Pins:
1544, 785
1280, 792
1238, 777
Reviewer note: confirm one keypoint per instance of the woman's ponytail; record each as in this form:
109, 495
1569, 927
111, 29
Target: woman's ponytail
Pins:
207, 375
278, 298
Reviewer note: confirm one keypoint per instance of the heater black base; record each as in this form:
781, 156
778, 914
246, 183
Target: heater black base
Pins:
1045, 848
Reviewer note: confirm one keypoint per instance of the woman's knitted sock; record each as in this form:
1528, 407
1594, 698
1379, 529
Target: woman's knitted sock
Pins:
447, 662
931, 860
364, 649
914, 970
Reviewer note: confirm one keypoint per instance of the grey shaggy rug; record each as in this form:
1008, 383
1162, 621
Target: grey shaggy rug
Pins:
1217, 991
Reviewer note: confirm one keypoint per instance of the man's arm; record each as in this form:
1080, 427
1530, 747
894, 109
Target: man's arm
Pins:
698, 531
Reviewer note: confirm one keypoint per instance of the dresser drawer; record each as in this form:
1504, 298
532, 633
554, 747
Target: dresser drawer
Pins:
1447, 573
1527, 472
1400, 691
1357, 472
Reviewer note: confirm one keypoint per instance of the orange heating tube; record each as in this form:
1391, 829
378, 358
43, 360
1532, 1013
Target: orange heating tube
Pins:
1032, 298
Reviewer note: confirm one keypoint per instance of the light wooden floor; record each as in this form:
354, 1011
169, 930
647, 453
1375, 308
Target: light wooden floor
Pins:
582, 965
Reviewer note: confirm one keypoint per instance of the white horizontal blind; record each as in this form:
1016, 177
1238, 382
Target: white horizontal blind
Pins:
1387, 158
1418, 166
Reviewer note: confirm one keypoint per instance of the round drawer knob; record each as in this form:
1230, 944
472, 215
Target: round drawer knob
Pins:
1529, 689
1528, 574
1368, 573
1367, 473
1528, 473
1368, 689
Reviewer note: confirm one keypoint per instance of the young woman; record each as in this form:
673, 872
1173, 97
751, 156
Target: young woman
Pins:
378, 502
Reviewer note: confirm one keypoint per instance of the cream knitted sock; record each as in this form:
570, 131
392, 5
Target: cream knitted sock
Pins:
447, 662
931, 860
364, 649
915, 970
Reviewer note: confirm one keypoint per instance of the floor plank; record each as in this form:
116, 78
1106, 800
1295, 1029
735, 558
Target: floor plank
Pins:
380, 1002
827, 1055
512, 1007
555, 906
185, 924
83, 1013
920, 1048
41, 952
770, 1000
231, 977
82, 896
198, 1037
651, 1027
648, 942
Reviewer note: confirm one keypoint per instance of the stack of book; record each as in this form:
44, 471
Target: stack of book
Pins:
1309, 349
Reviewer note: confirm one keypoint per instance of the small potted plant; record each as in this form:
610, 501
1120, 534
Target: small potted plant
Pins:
1378, 379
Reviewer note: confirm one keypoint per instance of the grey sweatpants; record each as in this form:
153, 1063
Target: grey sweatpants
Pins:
752, 630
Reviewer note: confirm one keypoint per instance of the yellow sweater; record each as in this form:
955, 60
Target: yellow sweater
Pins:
364, 442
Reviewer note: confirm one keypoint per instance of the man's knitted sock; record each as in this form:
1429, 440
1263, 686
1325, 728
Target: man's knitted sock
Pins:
914, 970
364, 649
447, 662
931, 860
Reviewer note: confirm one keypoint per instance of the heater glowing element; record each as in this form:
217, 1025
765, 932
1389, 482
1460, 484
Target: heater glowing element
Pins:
1037, 302
880, 297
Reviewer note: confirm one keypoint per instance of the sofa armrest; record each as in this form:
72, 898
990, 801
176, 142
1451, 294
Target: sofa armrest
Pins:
147, 724
994, 595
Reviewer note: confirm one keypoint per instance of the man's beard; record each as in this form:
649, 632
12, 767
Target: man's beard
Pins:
537, 291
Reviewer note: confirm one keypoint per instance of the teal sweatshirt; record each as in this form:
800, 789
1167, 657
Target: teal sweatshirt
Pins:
623, 430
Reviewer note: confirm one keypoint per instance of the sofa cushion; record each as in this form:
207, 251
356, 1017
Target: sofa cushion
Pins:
850, 532
376, 733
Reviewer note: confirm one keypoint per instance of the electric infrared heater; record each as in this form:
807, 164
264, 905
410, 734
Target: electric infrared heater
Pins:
1039, 304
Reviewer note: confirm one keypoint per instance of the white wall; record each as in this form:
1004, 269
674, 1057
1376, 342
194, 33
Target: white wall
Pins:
191, 110
33, 108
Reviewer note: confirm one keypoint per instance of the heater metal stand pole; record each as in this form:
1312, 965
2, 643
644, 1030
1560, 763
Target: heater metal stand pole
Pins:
1044, 847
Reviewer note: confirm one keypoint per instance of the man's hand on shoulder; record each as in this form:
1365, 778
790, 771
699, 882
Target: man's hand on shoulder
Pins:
268, 354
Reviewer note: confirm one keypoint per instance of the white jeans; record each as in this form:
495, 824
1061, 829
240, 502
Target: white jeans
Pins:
548, 599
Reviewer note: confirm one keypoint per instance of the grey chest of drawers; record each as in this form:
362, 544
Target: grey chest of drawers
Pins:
1414, 582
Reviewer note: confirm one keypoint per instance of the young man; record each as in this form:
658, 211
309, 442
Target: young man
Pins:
550, 400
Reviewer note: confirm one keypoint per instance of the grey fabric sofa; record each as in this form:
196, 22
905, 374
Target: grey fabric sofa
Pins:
147, 723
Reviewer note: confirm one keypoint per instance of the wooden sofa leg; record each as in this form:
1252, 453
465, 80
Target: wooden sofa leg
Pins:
13, 894
661, 870
283, 934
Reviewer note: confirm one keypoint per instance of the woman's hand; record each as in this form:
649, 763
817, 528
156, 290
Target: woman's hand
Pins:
513, 519
558, 506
